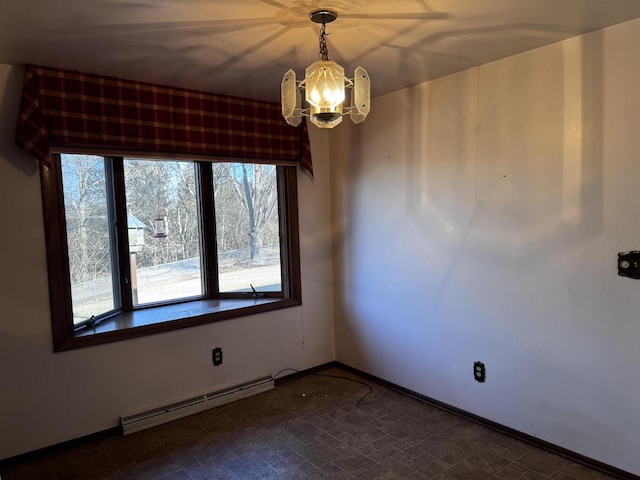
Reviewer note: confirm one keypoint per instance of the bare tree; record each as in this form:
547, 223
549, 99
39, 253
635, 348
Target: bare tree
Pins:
165, 189
86, 217
256, 188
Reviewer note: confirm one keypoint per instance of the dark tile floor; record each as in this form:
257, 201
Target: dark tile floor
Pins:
310, 428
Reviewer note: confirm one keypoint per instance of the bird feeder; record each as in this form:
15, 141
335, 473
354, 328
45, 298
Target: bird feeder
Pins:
159, 227
135, 228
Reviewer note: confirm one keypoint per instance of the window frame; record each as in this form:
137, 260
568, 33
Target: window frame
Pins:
184, 313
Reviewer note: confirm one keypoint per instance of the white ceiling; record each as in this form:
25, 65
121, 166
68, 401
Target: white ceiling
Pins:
243, 47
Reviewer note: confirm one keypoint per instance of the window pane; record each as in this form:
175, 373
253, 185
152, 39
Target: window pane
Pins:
248, 228
87, 219
164, 238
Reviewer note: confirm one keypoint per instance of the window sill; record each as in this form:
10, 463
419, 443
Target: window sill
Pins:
171, 317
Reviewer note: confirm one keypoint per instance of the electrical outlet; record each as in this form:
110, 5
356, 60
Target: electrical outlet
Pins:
216, 356
479, 372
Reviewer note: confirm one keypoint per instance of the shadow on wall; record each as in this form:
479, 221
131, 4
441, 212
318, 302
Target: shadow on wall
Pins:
564, 413
9, 108
506, 160
424, 59
346, 146
501, 165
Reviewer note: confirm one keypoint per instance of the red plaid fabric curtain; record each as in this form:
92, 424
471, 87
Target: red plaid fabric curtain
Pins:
66, 110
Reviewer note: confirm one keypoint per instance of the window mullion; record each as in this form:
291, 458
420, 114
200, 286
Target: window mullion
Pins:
57, 253
119, 200
283, 233
206, 212
288, 204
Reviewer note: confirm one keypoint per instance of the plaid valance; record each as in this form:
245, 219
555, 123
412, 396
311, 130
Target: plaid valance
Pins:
61, 109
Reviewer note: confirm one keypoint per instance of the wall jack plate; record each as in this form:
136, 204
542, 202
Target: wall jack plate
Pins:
629, 264
479, 373
216, 356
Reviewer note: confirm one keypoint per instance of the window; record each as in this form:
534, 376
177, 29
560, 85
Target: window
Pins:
139, 246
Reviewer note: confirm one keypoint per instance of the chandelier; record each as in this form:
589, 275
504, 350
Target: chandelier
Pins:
324, 85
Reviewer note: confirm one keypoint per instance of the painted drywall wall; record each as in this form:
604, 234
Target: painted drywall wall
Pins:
479, 217
47, 398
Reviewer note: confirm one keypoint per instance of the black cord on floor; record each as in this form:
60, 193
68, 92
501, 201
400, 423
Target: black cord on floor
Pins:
273, 377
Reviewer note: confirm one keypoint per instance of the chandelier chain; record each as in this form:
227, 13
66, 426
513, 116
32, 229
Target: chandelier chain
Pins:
324, 51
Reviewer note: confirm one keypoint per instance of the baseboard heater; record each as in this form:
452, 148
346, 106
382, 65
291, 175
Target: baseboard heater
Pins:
166, 413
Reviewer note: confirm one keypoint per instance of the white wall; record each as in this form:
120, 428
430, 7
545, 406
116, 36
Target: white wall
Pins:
47, 398
479, 217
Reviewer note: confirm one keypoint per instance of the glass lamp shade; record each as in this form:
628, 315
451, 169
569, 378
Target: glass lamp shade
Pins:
324, 91
291, 99
360, 96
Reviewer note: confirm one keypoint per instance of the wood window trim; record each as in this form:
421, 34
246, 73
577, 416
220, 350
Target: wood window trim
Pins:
127, 325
